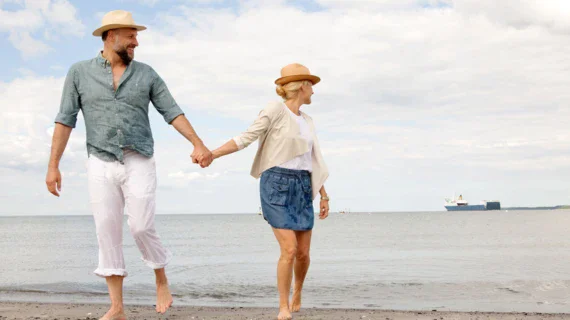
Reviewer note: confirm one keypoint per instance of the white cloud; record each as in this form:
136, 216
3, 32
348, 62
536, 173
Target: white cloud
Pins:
149, 3
405, 88
62, 16
28, 46
22, 19
37, 22
415, 102
377, 5
551, 14
193, 175
25, 123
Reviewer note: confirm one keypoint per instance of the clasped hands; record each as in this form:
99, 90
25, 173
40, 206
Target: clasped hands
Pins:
202, 156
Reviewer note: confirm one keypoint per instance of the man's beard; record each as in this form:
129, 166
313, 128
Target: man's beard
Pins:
124, 55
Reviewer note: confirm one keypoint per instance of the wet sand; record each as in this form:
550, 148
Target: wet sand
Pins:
81, 311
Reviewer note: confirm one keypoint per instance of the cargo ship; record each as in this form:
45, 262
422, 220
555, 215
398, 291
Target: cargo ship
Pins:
459, 204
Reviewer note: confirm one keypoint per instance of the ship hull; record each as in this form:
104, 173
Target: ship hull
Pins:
478, 207
490, 205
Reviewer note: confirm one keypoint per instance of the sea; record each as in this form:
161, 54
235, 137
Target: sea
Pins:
465, 261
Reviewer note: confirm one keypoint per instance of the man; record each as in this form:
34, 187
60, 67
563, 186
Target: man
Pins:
113, 91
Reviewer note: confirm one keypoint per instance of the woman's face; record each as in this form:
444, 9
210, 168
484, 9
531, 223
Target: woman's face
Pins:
306, 93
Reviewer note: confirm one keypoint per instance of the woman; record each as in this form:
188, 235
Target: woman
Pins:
292, 172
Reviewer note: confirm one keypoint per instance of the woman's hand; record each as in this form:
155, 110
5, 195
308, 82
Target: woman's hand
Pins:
324, 213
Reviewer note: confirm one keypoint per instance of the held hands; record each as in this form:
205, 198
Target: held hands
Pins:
53, 181
202, 156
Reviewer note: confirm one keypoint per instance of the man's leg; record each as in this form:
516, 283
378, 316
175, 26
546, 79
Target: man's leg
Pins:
139, 189
163, 296
115, 285
107, 205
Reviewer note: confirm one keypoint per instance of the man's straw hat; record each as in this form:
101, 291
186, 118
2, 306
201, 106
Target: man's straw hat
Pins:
115, 20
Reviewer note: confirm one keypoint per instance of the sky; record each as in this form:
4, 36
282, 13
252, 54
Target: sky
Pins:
419, 99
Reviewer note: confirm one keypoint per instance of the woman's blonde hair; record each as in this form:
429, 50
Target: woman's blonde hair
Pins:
291, 89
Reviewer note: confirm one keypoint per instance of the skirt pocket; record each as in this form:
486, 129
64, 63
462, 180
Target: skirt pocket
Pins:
279, 191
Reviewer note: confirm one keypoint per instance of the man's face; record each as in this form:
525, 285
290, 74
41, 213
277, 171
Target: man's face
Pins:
124, 43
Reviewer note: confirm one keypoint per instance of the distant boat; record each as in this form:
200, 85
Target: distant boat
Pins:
459, 204
344, 211
260, 212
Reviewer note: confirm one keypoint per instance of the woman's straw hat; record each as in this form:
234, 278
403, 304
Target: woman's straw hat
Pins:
296, 72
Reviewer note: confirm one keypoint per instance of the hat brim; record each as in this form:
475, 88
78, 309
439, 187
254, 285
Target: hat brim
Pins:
99, 32
299, 77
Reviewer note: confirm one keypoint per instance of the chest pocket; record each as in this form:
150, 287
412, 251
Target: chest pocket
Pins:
136, 93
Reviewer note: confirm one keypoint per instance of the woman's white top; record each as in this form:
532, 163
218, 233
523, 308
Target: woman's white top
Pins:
304, 161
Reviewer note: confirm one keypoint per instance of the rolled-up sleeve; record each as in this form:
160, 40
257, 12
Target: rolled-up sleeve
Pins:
259, 127
70, 101
163, 101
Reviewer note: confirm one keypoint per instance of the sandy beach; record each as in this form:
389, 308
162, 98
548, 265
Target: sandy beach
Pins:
36, 311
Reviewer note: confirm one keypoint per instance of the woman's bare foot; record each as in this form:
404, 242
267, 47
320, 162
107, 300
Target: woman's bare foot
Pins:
284, 314
296, 301
163, 298
114, 314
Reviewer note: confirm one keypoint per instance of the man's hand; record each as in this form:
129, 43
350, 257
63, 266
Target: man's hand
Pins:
202, 156
324, 213
53, 181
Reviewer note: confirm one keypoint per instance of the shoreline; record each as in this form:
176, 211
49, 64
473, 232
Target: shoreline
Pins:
87, 311
89, 214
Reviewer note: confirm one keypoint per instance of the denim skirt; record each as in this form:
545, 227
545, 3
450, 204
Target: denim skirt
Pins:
287, 199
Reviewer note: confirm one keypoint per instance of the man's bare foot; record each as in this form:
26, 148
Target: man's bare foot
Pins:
163, 298
114, 314
296, 301
284, 314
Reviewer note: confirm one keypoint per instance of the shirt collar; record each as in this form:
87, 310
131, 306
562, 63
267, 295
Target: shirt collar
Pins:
101, 60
